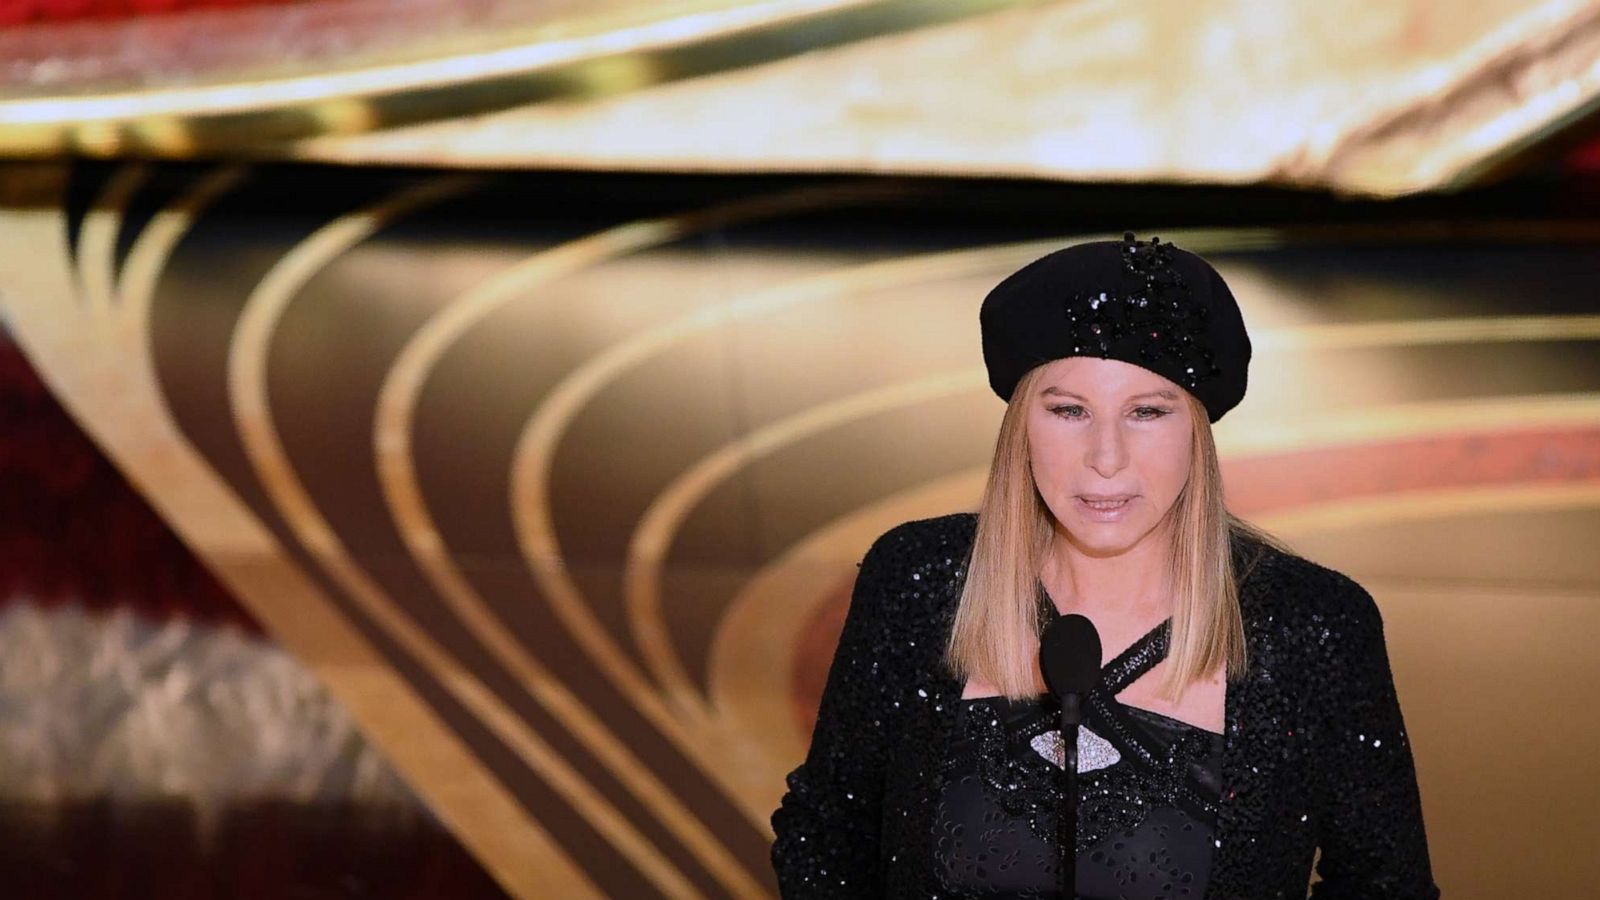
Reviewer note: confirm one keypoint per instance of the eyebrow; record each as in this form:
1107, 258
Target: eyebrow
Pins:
1052, 389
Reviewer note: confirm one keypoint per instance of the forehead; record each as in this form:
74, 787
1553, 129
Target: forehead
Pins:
1091, 376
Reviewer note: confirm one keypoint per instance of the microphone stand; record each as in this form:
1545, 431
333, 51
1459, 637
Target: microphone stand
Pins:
1067, 820
1069, 660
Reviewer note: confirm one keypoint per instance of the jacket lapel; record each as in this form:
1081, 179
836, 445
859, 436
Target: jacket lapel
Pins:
1263, 771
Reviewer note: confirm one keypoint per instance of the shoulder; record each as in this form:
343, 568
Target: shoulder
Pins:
914, 570
1317, 607
918, 541
1313, 587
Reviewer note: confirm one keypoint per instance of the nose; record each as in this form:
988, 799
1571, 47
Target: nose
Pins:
1108, 452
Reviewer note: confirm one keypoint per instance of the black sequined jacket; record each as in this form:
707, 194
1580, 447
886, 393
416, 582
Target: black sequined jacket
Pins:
1316, 753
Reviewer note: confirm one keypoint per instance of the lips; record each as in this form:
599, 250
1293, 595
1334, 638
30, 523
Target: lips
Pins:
1105, 508
1105, 500
1106, 504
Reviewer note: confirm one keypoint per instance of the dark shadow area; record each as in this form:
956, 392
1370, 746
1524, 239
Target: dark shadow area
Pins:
266, 850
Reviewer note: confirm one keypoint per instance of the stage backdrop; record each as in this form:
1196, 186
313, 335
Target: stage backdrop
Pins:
558, 483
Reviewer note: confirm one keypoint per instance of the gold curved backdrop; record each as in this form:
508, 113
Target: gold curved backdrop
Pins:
1374, 97
558, 482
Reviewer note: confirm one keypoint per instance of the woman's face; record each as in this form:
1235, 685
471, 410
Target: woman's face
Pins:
1103, 427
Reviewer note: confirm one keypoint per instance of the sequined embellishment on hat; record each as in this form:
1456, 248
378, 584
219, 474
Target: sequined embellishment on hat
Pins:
1094, 751
1158, 313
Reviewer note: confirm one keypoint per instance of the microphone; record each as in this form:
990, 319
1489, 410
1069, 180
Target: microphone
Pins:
1069, 659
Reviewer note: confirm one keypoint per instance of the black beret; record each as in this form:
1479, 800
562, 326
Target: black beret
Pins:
1146, 303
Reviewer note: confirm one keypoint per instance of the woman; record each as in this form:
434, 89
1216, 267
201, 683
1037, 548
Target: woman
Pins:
1246, 717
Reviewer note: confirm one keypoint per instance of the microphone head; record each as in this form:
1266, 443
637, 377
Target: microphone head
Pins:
1069, 655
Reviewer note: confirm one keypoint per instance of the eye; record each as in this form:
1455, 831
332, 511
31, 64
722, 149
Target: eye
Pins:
1145, 413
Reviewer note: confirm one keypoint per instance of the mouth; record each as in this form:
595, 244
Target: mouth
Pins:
1103, 507
1105, 501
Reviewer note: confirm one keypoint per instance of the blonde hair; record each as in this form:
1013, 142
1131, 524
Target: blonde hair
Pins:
995, 633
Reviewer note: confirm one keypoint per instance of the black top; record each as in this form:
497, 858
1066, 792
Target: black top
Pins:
1315, 751
1148, 789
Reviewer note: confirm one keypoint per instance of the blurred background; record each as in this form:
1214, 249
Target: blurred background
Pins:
437, 436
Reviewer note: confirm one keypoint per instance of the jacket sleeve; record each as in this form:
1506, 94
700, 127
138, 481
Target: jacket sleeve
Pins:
826, 828
1366, 800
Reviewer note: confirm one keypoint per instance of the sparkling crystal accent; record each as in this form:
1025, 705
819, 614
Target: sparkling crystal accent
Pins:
1156, 315
1094, 751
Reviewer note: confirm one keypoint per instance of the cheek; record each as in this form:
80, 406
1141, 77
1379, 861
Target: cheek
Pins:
1168, 461
1049, 452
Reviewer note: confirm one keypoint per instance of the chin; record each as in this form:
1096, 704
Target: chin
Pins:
1107, 537
1099, 539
